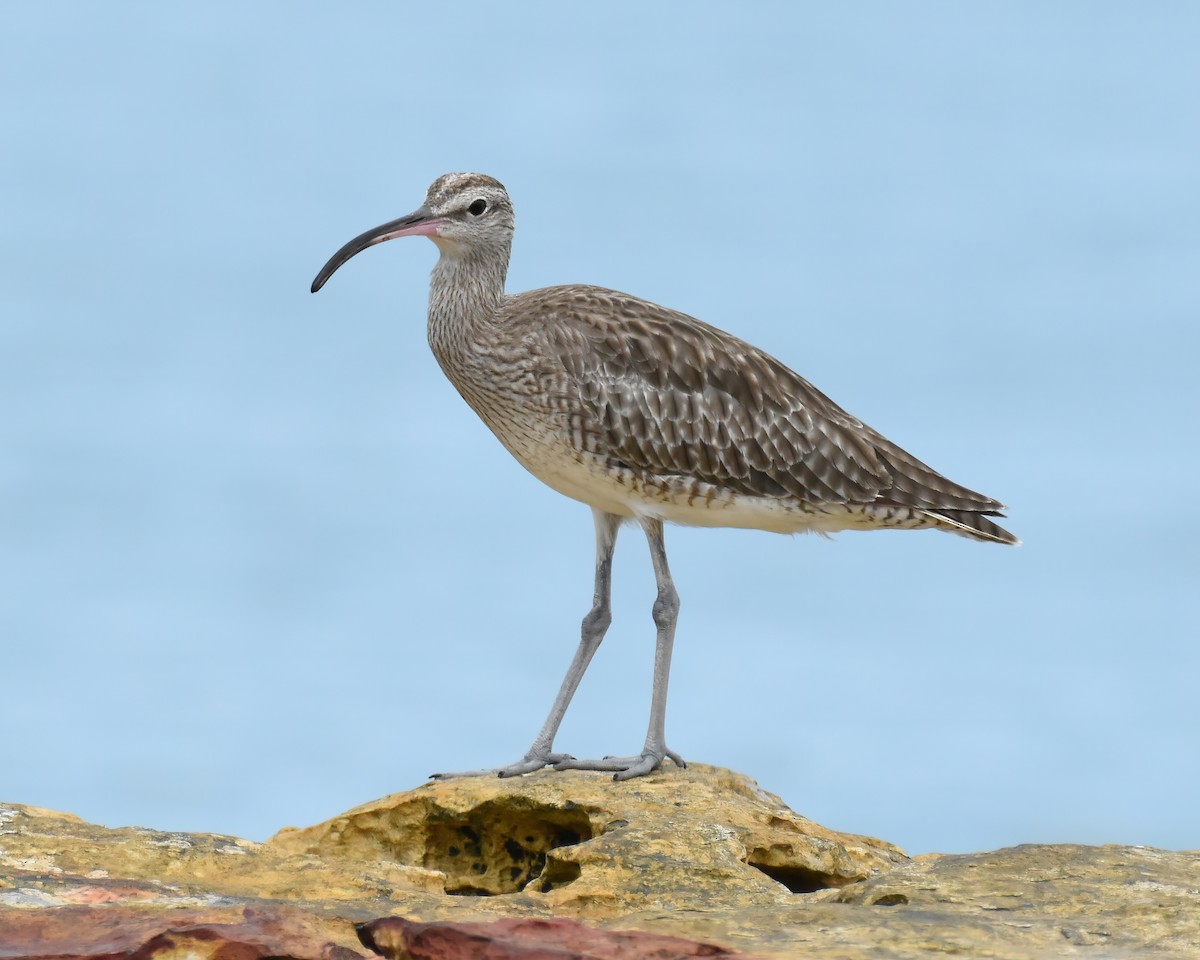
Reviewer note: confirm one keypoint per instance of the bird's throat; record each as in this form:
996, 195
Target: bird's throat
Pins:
465, 295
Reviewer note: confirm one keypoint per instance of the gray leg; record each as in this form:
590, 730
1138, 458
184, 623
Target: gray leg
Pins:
595, 625
666, 612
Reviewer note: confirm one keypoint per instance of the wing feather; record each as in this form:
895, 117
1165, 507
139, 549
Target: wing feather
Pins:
668, 395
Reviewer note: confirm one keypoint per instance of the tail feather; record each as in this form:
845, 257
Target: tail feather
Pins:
919, 485
973, 524
957, 509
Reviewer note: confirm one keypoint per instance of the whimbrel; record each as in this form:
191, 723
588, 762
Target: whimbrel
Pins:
649, 415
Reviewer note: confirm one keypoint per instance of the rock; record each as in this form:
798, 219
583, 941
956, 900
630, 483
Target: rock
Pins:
161, 930
698, 862
399, 939
1117, 897
589, 848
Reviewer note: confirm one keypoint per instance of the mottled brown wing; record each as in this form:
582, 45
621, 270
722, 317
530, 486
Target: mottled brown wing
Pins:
667, 394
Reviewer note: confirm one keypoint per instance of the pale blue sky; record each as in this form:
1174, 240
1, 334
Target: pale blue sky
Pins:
259, 563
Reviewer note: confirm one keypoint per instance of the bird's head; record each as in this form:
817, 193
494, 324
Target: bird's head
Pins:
465, 214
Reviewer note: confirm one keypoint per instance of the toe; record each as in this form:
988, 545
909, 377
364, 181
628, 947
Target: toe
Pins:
605, 763
527, 764
647, 763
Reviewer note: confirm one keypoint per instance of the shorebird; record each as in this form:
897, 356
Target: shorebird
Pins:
648, 415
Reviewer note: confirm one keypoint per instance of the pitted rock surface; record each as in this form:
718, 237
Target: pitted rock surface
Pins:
698, 862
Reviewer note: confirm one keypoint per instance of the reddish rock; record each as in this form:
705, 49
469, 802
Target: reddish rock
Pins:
520, 939
129, 932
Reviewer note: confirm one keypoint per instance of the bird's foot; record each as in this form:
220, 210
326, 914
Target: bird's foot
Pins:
532, 761
626, 768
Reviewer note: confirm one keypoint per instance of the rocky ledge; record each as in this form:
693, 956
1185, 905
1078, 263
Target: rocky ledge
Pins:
693, 863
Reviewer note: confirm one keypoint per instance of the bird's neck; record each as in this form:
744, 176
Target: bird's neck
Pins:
465, 294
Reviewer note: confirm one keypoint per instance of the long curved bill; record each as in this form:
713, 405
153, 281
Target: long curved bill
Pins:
419, 223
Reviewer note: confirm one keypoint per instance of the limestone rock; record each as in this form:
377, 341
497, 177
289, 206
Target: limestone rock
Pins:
587, 847
1116, 897
570, 865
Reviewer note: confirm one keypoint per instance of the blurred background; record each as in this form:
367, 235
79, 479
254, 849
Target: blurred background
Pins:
259, 563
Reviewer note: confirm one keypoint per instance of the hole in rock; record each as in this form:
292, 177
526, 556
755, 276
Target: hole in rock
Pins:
890, 900
796, 879
558, 873
499, 848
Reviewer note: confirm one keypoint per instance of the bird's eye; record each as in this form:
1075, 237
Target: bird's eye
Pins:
477, 208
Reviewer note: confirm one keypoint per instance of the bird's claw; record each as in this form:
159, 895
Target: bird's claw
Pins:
626, 768
531, 763
527, 764
622, 768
